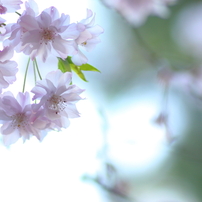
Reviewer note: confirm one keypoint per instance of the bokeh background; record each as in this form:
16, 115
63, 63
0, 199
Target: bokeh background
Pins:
139, 136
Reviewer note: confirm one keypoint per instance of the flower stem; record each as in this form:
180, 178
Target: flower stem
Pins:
34, 68
37, 68
25, 77
17, 13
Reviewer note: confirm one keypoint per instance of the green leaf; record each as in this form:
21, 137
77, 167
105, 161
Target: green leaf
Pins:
88, 67
84, 67
77, 70
69, 60
64, 65
67, 66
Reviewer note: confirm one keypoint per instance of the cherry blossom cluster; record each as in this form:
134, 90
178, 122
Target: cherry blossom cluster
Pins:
137, 11
51, 102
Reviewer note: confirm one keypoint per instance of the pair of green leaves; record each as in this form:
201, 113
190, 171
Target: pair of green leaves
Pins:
68, 66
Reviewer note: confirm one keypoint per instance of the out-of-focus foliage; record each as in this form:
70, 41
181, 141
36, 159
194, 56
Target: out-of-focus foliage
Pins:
141, 60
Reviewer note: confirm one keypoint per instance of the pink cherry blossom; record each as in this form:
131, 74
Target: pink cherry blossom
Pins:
8, 69
8, 6
31, 8
58, 97
44, 34
137, 11
14, 32
88, 38
5, 31
39, 34
188, 81
18, 118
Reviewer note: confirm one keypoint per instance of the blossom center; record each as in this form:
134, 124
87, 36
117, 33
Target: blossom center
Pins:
48, 35
19, 120
57, 103
84, 43
2, 9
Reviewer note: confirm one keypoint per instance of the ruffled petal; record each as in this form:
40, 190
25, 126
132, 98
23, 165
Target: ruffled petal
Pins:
6, 54
79, 59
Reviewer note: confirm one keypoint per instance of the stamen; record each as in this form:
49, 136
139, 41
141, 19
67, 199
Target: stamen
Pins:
57, 103
19, 120
47, 35
84, 43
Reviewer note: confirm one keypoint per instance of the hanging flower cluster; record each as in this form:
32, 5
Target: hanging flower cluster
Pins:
51, 102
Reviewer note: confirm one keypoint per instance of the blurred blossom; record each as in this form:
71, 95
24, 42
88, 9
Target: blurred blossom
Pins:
164, 75
163, 120
137, 11
187, 30
109, 178
188, 81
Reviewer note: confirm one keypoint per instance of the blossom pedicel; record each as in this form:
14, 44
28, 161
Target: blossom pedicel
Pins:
42, 35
